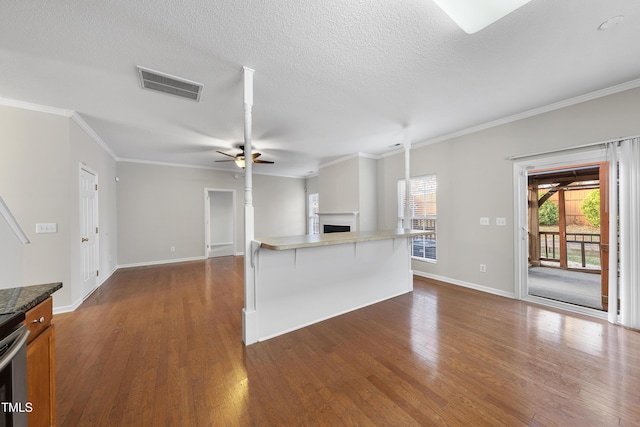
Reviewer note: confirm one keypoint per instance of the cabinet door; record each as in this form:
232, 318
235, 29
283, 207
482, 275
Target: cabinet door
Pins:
41, 379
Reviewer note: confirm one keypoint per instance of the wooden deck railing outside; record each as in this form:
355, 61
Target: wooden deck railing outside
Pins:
578, 246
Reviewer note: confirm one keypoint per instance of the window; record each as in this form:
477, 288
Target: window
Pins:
422, 204
314, 219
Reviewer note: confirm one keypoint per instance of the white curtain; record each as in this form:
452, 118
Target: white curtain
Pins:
612, 158
629, 218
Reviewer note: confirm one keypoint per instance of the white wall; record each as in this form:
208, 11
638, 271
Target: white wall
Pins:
475, 180
160, 207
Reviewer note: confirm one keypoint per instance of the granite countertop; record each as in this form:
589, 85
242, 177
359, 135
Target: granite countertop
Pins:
22, 299
327, 239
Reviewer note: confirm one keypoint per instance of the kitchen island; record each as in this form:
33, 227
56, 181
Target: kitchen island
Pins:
301, 280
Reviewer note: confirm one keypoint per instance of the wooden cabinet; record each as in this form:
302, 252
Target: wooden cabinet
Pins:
41, 369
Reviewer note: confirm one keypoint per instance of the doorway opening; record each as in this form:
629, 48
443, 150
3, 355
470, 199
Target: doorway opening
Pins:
563, 219
220, 222
565, 235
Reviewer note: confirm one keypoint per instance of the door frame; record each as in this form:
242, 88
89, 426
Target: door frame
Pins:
207, 216
521, 226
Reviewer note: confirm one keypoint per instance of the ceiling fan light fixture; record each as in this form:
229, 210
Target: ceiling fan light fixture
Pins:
474, 15
240, 158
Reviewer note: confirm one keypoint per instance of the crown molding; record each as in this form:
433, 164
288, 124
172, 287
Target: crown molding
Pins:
349, 157
633, 84
188, 166
36, 107
92, 134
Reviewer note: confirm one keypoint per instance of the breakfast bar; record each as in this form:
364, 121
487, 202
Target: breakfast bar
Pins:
301, 280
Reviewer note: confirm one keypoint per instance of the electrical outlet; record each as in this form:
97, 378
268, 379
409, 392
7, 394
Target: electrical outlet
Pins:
501, 221
484, 221
483, 268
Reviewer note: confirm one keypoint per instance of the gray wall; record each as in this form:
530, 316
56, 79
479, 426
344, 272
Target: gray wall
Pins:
312, 185
338, 186
163, 206
475, 180
40, 155
10, 257
280, 206
350, 186
368, 193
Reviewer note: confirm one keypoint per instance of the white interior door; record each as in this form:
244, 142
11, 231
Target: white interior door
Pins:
88, 230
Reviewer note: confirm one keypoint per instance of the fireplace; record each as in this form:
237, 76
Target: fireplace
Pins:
338, 222
332, 228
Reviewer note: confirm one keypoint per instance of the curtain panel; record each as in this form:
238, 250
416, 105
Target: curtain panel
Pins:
628, 204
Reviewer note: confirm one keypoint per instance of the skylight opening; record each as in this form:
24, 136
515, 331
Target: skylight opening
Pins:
474, 15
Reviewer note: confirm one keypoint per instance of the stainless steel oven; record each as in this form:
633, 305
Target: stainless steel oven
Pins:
14, 406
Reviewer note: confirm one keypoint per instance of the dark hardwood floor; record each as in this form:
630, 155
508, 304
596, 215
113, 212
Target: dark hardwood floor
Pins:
162, 346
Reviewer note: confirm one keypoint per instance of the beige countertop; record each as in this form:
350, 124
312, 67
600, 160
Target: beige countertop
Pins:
315, 240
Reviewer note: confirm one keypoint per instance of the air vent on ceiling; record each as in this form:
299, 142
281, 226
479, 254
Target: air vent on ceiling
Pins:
166, 83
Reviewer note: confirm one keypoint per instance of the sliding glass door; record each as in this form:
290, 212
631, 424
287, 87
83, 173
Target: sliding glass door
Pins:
562, 231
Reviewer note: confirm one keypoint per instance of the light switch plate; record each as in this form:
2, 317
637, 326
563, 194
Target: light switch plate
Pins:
46, 227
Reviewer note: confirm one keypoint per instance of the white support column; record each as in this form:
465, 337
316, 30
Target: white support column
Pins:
249, 317
407, 179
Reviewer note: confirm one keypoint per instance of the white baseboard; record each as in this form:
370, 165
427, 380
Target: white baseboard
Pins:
531, 299
166, 261
106, 277
76, 304
67, 308
474, 286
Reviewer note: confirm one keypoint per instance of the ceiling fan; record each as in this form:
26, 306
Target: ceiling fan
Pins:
239, 158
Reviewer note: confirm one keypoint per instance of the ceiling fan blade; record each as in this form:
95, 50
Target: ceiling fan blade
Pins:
263, 161
229, 155
225, 160
255, 155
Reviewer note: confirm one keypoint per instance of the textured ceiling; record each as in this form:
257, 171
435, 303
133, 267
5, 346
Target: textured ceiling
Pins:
332, 78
